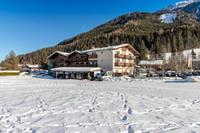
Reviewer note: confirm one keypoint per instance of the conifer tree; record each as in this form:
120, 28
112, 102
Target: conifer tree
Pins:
11, 61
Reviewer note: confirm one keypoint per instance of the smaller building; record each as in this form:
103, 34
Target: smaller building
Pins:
196, 64
153, 64
28, 67
1, 68
76, 72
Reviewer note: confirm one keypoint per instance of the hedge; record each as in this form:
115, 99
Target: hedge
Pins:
9, 73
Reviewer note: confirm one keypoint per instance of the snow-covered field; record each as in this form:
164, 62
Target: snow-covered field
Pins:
54, 106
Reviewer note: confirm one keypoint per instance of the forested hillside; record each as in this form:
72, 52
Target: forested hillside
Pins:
144, 31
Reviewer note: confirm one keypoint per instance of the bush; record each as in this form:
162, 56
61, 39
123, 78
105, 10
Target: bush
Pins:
9, 73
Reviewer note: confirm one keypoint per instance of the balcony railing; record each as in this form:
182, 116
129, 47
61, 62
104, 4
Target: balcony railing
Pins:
120, 74
77, 59
119, 64
119, 56
130, 64
93, 56
124, 56
126, 64
123, 64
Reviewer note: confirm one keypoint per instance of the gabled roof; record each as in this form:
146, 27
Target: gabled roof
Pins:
32, 66
111, 48
58, 52
76, 51
95, 49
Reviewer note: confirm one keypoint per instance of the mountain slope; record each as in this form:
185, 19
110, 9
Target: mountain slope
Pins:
145, 31
190, 6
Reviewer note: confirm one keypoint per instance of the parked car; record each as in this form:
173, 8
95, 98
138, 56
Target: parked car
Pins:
170, 74
98, 77
196, 73
152, 74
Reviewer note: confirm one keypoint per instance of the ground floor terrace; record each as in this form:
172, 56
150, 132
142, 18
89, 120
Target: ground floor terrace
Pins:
76, 72
34, 105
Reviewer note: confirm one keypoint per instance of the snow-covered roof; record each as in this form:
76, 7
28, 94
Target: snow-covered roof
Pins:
107, 48
151, 62
93, 50
32, 66
58, 52
76, 69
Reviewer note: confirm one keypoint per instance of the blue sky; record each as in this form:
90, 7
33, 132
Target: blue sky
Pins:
28, 25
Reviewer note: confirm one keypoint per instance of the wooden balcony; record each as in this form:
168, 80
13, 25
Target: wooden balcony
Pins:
78, 59
117, 74
119, 64
126, 64
92, 57
130, 64
119, 56
120, 74
128, 57
124, 56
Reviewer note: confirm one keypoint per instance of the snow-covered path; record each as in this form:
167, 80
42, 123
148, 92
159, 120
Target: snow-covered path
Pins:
45, 105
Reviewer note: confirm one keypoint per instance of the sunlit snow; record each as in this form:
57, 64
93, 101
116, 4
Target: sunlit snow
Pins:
32, 105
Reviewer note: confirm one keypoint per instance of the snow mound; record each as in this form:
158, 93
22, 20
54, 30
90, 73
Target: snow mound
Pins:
168, 18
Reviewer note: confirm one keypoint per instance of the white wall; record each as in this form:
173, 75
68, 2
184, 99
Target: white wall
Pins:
105, 60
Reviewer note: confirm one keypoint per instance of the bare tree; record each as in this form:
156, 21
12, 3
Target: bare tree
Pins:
178, 62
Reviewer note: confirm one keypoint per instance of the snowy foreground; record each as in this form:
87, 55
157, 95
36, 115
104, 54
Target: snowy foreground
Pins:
54, 106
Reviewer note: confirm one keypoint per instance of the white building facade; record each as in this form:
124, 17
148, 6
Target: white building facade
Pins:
120, 59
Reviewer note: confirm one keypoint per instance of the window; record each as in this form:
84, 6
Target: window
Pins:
117, 52
101, 52
101, 60
61, 60
117, 60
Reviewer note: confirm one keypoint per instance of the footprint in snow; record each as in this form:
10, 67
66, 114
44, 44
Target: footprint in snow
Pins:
124, 118
125, 106
126, 101
130, 111
130, 129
